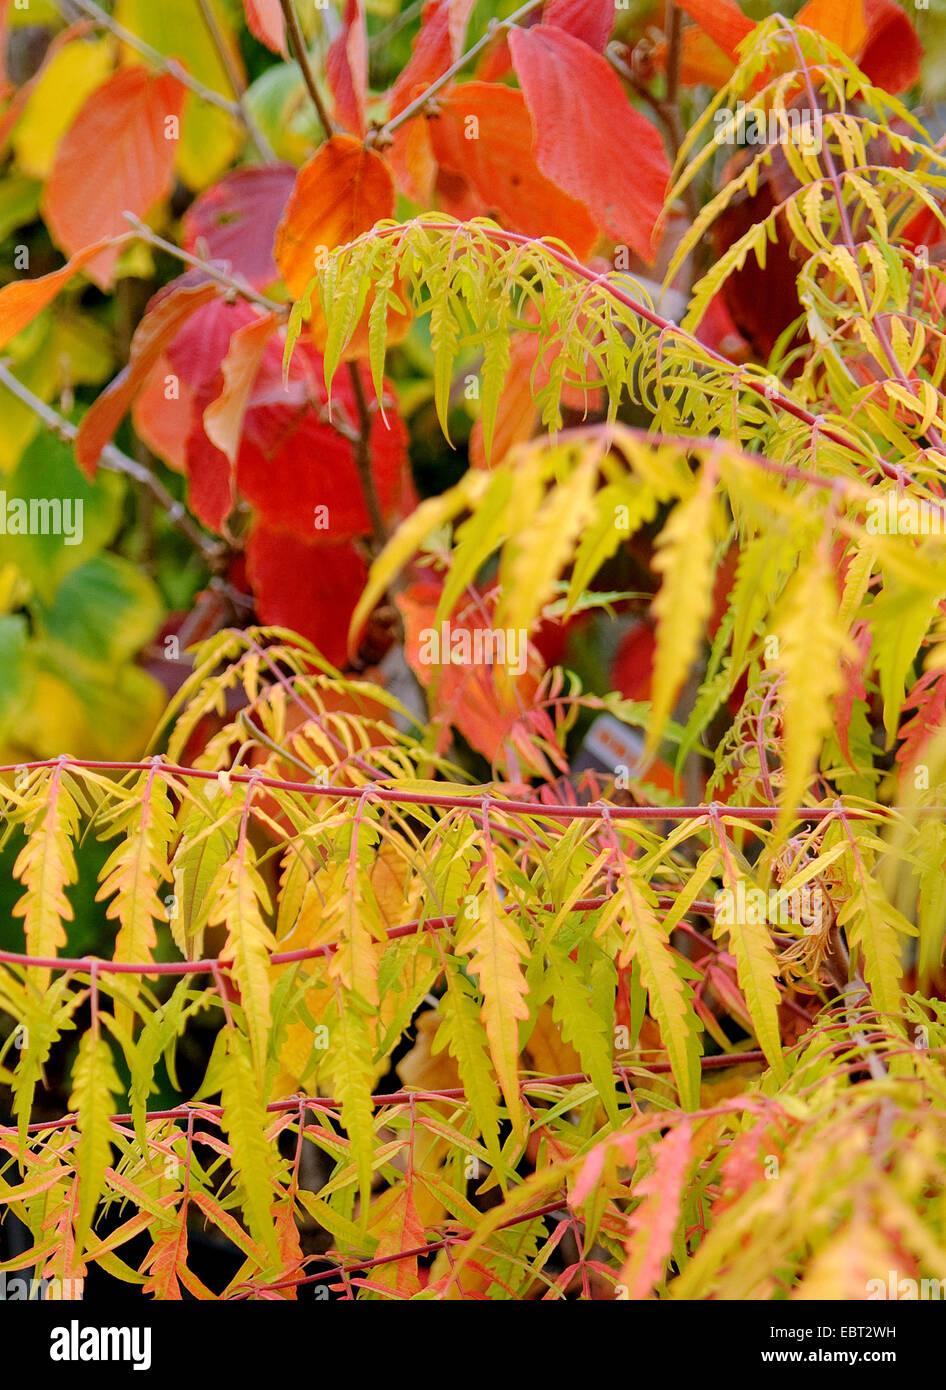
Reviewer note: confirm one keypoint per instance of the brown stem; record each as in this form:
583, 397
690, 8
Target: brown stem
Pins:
362, 450
297, 43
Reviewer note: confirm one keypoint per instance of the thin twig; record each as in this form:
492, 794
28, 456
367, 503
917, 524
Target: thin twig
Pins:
232, 282
502, 806
235, 80
115, 461
297, 44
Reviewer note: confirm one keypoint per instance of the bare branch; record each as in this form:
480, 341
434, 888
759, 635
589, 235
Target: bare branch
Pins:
297, 43
226, 58
232, 282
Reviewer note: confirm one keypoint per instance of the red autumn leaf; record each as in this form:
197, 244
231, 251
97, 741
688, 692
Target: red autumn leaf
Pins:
292, 461
439, 44
116, 157
289, 459
197, 356
892, 54
22, 300
211, 488
346, 68
164, 409
497, 162
577, 141
311, 587
223, 418
341, 193
237, 218
588, 20
165, 315
202, 341
264, 19
761, 302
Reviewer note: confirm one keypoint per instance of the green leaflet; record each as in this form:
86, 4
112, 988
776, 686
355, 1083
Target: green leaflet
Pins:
461, 1030
95, 1085
646, 943
245, 1121
573, 1010
750, 941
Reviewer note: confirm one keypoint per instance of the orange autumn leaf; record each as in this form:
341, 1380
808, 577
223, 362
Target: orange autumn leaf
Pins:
117, 157
877, 34
396, 1224
473, 698
340, 194
161, 414
841, 21
484, 132
22, 300
412, 162
701, 60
